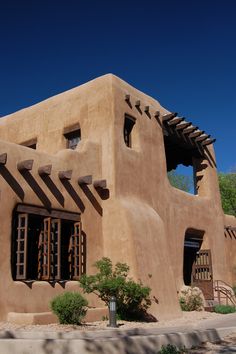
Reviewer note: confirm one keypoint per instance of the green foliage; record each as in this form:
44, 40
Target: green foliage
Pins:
224, 309
191, 300
171, 349
180, 181
227, 183
132, 298
70, 307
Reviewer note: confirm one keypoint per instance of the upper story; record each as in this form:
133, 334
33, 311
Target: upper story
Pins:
135, 134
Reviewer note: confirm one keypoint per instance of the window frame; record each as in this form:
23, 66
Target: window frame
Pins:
129, 123
50, 260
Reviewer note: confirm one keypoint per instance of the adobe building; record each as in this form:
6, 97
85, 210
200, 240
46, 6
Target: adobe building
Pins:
84, 175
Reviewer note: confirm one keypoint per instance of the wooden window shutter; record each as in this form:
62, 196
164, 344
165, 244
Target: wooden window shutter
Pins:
21, 246
45, 254
55, 246
75, 258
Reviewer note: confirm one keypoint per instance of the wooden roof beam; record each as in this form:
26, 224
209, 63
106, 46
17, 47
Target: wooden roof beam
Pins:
183, 125
102, 183
85, 180
202, 138
167, 117
208, 142
65, 175
3, 158
189, 129
25, 165
175, 121
45, 170
196, 133
127, 98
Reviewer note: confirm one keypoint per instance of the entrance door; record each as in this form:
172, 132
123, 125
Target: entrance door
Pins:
202, 276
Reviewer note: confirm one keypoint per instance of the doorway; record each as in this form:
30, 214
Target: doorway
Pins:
197, 269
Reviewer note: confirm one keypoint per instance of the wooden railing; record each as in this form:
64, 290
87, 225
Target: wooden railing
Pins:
224, 293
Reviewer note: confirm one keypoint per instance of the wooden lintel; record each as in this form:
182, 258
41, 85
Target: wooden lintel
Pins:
25, 165
183, 125
146, 109
101, 183
127, 98
175, 121
3, 159
195, 134
189, 129
202, 137
137, 103
157, 114
45, 170
85, 180
65, 174
208, 142
169, 116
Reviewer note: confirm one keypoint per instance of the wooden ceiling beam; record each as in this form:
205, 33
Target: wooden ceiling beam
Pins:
189, 129
25, 165
65, 175
183, 125
175, 121
208, 142
167, 117
85, 180
102, 183
202, 138
45, 170
196, 133
3, 158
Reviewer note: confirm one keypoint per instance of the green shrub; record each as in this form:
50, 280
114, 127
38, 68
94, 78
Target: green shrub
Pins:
132, 298
70, 307
171, 349
224, 309
191, 300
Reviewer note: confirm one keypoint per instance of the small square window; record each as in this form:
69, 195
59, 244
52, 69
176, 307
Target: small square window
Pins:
73, 138
32, 143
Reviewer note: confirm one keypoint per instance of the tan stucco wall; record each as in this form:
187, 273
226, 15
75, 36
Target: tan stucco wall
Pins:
144, 219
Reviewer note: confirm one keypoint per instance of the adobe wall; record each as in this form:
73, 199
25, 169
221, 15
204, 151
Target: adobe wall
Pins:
230, 248
143, 221
46, 121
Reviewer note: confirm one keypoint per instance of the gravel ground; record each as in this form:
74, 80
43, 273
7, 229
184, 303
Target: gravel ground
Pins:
188, 318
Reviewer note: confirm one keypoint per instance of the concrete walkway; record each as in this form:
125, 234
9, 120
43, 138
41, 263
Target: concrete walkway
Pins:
117, 341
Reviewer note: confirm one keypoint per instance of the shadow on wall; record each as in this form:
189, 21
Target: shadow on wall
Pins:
53, 189
12, 182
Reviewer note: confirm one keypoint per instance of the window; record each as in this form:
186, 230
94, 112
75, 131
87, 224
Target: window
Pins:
32, 143
73, 138
128, 126
47, 247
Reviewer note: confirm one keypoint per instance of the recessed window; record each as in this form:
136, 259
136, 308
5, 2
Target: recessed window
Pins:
128, 126
72, 139
47, 247
32, 143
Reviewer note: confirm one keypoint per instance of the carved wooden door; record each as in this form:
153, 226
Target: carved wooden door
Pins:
202, 276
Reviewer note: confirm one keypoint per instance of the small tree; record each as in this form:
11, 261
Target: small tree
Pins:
132, 297
227, 182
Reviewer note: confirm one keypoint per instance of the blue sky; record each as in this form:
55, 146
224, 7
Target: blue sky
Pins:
183, 53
